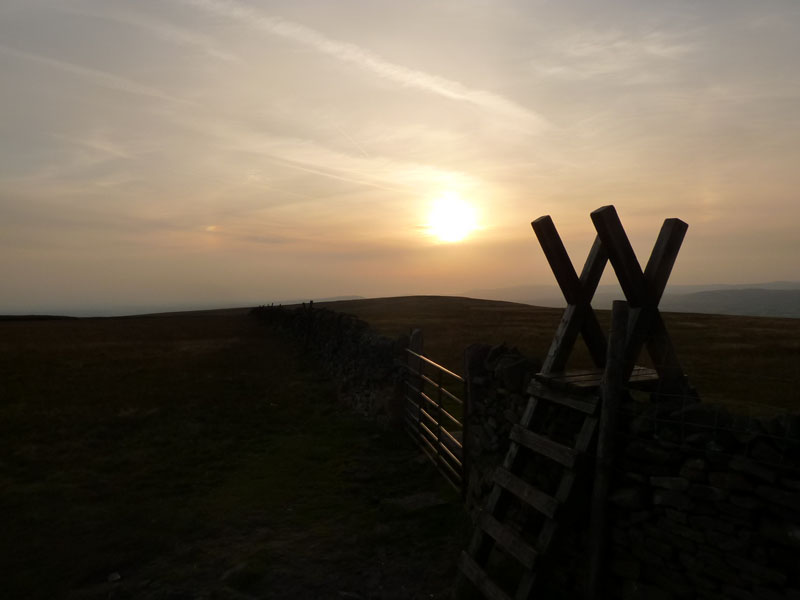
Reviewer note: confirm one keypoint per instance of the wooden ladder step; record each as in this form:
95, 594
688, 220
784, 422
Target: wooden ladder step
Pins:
544, 446
544, 503
587, 405
480, 579
509, 540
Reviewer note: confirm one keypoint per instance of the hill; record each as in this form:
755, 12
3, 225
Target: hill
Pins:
775, 299
753, 361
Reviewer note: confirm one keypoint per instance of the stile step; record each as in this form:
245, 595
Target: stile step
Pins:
510, 541
587, 405
480, 579
544, 503
546, 447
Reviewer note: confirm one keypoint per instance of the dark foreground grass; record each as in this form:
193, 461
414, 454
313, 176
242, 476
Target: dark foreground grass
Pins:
201, 456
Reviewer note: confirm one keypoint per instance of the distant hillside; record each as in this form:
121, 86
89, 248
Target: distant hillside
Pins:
775, 299
755, 302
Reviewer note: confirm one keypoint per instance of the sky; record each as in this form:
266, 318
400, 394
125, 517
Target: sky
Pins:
235, 152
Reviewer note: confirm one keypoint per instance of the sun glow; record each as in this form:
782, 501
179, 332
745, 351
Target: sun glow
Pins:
451, 218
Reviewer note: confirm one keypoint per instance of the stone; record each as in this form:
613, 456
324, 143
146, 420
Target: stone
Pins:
620, 536
639, 516
726, 543
737, 593
695, 464
676, 515
662, 549
662, 533
786, 534
626, 567
705, 523
672, 499
779, 496
687, 532
765, 451
702, 416
649, 452
694, 475
750, 467
715, 566
671, 581
727, 480
746, 502
768, 593
628, 497
755, 573
679, 484
707, 492
731, 512
635, 590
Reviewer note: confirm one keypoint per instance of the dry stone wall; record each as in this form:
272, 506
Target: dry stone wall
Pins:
367, 367
704, 504
497, 380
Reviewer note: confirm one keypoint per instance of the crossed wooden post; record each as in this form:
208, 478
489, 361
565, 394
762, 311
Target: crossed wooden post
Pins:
642, 289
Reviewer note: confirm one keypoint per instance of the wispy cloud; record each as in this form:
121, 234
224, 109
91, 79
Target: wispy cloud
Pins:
588, 55
372, 62
95, 76
158, 28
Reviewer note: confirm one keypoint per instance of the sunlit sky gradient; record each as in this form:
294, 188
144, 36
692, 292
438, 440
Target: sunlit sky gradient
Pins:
234, 152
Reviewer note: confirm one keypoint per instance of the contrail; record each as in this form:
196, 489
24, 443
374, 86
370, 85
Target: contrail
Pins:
98, 77
369, 61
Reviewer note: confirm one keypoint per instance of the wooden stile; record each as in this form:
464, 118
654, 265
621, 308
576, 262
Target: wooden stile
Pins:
493, 528
636, 324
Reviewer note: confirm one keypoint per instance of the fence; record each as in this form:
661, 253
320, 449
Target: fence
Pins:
430, 399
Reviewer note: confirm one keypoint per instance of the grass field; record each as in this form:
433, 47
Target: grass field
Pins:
753, 362
200, 456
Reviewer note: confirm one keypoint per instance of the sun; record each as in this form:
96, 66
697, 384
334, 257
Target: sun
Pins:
451, 218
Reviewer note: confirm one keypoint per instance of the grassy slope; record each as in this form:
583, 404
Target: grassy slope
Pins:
730, 358
198, 455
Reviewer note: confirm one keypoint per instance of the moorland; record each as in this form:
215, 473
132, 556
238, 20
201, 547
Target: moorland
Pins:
204, 455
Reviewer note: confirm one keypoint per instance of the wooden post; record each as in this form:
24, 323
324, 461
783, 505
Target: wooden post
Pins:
579, 317
439, 416
644, 289
614, 380
474, 357
415, 344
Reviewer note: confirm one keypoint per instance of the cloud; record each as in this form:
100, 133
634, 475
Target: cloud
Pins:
590, 54
100, 78
373, 63
161, 29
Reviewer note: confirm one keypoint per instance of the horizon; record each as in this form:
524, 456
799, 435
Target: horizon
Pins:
547, 296
212, 152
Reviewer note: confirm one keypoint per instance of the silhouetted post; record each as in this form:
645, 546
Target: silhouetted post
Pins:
611, 388
579, 317
415, 344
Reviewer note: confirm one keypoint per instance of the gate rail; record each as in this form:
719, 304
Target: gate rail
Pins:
429, 418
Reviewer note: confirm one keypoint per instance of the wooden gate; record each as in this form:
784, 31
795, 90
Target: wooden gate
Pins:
434, 415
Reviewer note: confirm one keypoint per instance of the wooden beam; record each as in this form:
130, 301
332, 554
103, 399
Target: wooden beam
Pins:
480, 579
662, 258
544, 503
579, 317
557, 256
614, 381
620, 253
